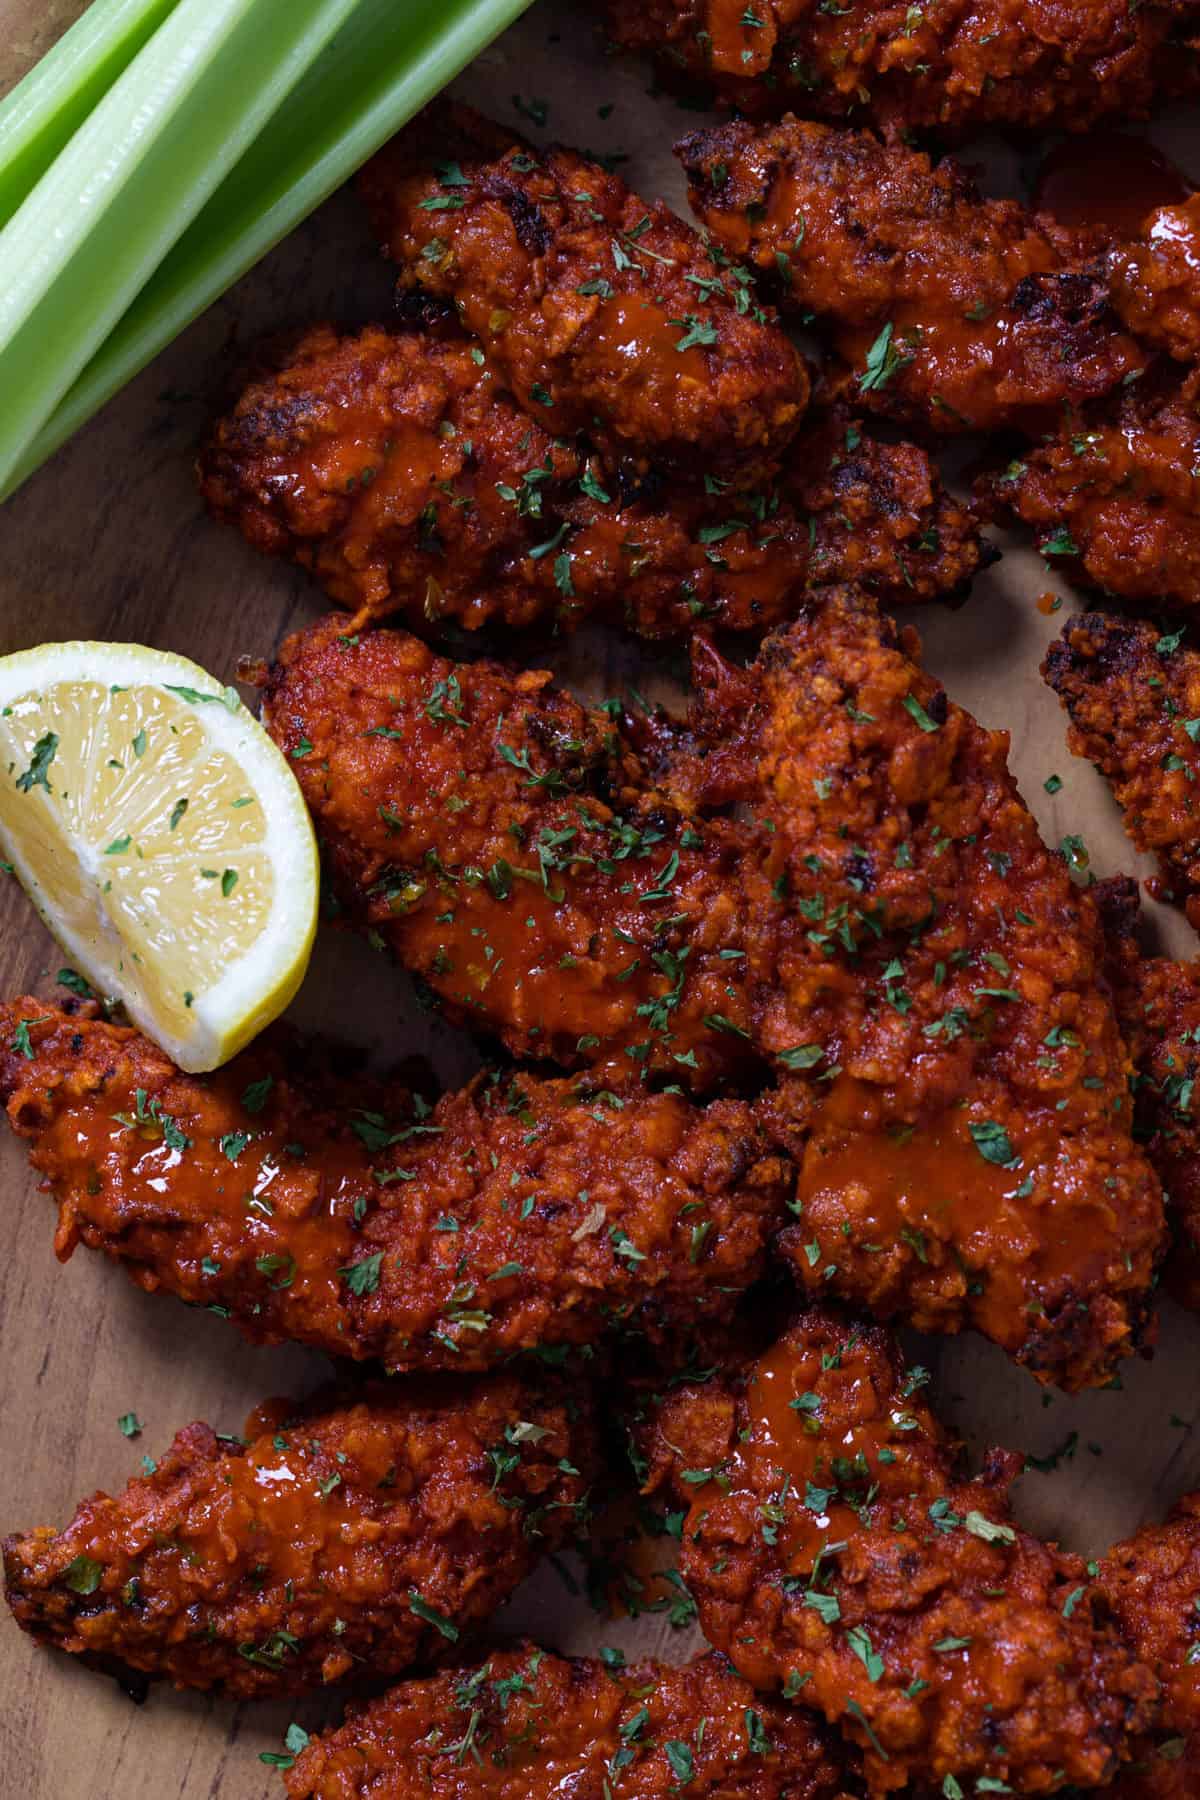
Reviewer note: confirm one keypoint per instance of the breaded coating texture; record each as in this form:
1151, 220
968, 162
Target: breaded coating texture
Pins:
954, 1085
513, 1215
506, 842
526, 1725
1158, 1008
1113, 497
396, 470
1133, 696
1156, 282
365, 1534
883, 928
382, 462
950, 66
605, 315
955, 313
834, 1552
1151, 1582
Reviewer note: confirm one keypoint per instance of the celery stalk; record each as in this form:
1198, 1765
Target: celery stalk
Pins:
389, 59
96, 226
39, 116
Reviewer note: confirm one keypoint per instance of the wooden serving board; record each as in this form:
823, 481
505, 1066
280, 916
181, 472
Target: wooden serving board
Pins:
110, 541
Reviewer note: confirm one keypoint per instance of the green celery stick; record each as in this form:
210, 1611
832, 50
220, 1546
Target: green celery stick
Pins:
39, 116
137, 172
389, 59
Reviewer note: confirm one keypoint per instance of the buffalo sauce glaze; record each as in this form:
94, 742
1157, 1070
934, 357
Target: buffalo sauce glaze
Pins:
835, 1554
527, 1725
1012, 1228
264, 1202
361, 1533
802, 1420
1178, 227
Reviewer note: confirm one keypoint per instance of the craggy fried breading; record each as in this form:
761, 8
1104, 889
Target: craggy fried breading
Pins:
956, 1085
1151, 1582
515, 1214
382, 463
1156, 282
605, 314
1133, 696
1158, 1009
392, 467
884, 927
834, 1552
955, 312
526, 1725
950, 66
366, 1534
874, 514
1112, 497
506, 842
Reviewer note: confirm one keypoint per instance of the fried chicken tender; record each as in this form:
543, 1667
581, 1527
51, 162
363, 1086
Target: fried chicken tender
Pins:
950, 66
1156, 281
955, 1086
505, 841
884, 928
835, 1552
604, 314
367, 1533
1112, 498
1151, 1582
956, 313
1132, 693
396, 470
1158, 1007
514, 1215
526, 1725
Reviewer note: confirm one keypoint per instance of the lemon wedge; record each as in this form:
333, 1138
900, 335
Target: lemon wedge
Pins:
162, 837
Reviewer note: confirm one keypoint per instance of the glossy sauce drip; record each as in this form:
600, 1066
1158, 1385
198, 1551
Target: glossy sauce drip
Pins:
632, 333
1178, 228
1109, 181
804, 1419
736, 47
930, 1176
1020, 1233
291, 1222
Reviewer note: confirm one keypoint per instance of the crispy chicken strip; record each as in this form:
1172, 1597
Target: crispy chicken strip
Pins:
835, 1552
604, 314
1156, 281
1158, 1006
526, 1725
955, 1086
1133, 697
507, 843
514, 1215
955, 312
886, 929
393, 467
1112, 498
950, 66
366, 1533
1151, 1582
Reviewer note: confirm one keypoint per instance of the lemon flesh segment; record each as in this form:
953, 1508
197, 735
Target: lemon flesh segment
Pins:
162, 837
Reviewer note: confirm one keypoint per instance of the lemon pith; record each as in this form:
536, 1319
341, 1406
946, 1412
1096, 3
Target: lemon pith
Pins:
162, 837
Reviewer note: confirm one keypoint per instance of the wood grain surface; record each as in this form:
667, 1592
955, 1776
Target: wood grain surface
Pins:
109, 541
